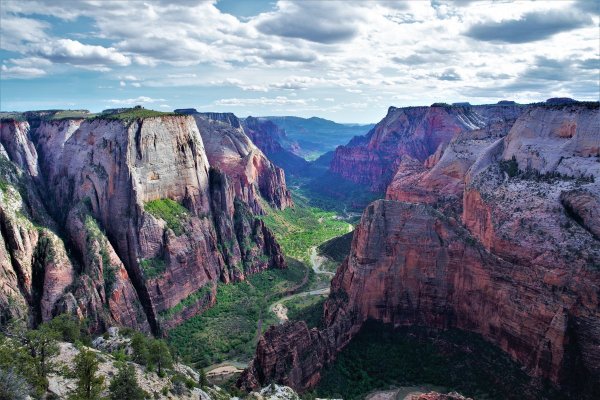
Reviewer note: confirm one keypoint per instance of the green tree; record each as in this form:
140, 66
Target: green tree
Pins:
68, 327
202, 380
139, 345
13, 356
160, 355
89, 386
125, 385
42, 345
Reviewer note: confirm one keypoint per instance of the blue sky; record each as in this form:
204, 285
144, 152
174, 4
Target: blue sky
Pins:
343, 60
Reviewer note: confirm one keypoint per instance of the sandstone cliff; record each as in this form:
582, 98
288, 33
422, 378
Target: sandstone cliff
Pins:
514, 258
150, 224
415, 132
267, 136
253, 176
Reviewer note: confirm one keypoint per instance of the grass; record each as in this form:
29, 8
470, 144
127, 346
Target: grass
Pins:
228, 330
301, 227
380, 357
173, 213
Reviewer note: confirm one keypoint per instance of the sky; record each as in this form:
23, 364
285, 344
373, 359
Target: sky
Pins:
347, 61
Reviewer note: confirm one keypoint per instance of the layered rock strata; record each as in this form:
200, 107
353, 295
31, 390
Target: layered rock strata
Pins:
150, 224
518, 261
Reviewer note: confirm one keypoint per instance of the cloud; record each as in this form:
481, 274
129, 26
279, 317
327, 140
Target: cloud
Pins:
137, 100
17, 72
547, 69
290, 55
279, 100
76, 53
531, 27
17, 32
320, 22
590, 63
449, 74
413, 59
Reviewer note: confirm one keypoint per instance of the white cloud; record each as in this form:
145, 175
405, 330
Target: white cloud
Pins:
18, 72
137, 100
73, 52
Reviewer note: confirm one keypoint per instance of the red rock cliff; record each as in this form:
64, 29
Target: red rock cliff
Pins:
97, 178
521, 268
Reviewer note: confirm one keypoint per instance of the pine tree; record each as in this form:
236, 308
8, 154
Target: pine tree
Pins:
202, 380
160, 355
139, 345
125, 385
89, 386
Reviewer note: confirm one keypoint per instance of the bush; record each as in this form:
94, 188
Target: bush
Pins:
68, 327
511, 167
125, 384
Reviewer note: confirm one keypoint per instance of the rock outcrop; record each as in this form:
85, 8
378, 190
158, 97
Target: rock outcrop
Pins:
267, 136
150, 223
253, 176
519, 265
415, 132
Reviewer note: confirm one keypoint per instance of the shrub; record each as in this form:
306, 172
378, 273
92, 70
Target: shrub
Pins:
173, 213
125, 384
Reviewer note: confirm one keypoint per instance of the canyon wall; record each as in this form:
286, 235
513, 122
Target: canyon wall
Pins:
149, 223
417, 133
499, 239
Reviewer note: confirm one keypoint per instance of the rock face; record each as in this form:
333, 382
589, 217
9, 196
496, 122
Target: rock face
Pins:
251, 174
415, 132
267, 136
150, 223
518, 261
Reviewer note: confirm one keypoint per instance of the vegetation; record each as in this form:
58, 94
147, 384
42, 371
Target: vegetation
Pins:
301, 227
160, 355
511, 168
153, 267
89, 386
154, 353
125, 385
192, 299
318, 187
228, 330
174, 214
130, 114
337, 248
380, 357
306, 308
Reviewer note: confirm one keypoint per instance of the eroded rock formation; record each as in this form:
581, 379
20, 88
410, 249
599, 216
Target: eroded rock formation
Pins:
514, 258
150, 223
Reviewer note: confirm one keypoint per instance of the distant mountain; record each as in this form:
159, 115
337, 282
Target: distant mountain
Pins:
312, 137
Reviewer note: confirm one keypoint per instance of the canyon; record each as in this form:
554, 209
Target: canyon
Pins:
128, 218
489, 225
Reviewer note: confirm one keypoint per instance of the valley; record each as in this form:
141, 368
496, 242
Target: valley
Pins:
282, 274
